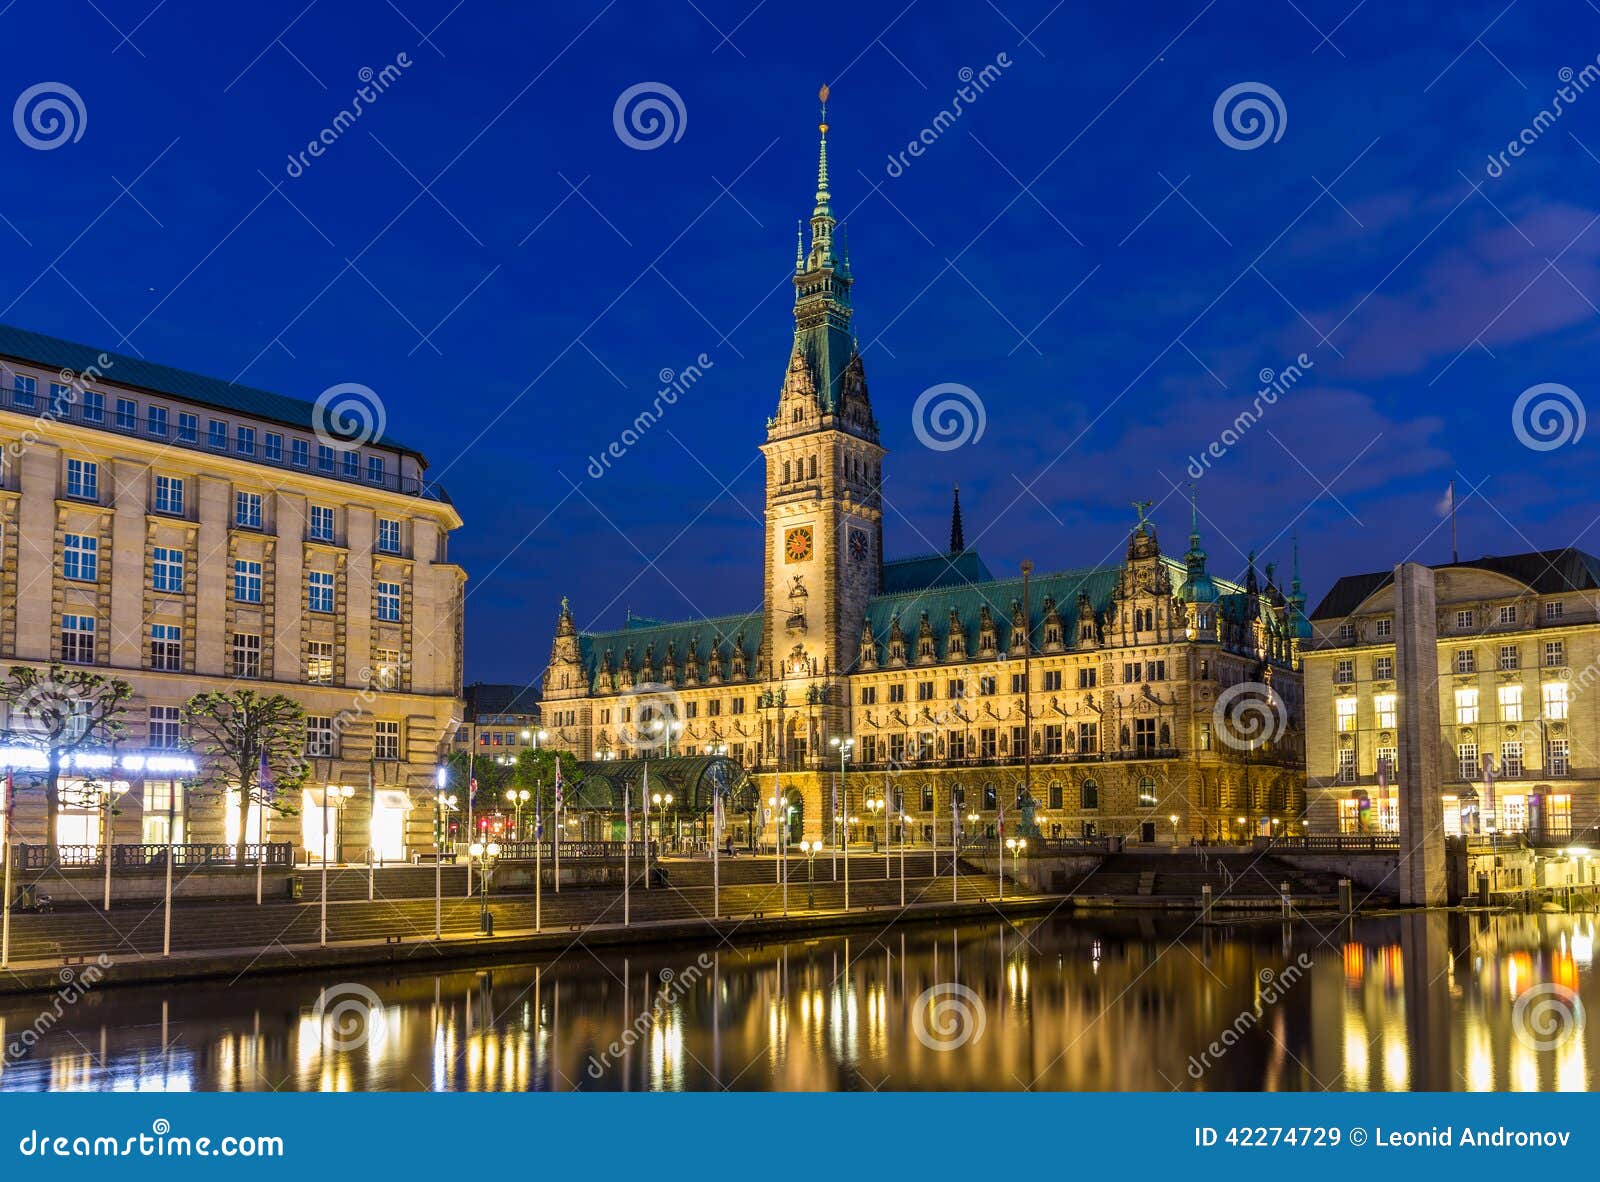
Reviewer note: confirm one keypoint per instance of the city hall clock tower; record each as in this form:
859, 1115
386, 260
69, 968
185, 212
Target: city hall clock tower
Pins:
824, 535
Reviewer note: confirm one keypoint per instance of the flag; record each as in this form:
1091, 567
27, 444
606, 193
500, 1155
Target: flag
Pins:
999, 819
718, 819
538, 810
264, 785
559, 801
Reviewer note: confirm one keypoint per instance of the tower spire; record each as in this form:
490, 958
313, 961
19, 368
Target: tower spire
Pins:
822, 290
958, 541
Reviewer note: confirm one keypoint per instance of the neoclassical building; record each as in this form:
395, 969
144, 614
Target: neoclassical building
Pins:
1518, 663
1104, 691
184, 533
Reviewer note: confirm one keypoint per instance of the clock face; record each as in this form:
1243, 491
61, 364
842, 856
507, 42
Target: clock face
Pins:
797, 544
858, 544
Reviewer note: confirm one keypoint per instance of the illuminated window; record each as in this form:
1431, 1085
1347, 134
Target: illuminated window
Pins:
1345, 711
319, 662
1466, 761
1347, 765
1555, 700
1510, 703
1466, 706
1466, 661
1383, 710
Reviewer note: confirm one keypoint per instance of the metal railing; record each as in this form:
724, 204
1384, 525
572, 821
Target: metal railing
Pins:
526, 851
1038, 847
146, 856
1332, 842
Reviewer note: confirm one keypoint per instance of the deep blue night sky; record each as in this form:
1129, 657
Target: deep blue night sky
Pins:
514, 326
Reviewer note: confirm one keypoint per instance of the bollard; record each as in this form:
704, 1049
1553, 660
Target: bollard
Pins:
1205, 902
1347, 897
1284, 888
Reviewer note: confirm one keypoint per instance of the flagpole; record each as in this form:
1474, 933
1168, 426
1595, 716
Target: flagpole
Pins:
555, 836
5, 852
323, 909
644, 796
1000, 845
538, 853
372, 853
166, 912
716, 863
1455, 552
955, 878
627, 846
472, 790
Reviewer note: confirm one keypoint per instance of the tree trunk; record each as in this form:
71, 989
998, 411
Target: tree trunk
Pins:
244, 818
52, 808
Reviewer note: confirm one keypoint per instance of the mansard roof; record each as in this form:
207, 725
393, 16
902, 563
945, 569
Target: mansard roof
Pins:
690, 635
1544, 572
135, 373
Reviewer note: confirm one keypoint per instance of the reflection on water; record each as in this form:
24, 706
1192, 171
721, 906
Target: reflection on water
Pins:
1438, 1002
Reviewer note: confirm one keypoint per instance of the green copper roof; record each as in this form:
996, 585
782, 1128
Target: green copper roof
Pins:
18, 344
687, 636
934, 570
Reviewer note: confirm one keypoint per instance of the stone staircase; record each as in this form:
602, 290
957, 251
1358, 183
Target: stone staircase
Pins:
1236, 878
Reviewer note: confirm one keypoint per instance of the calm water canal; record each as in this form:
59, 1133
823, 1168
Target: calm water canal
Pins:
1440, 1002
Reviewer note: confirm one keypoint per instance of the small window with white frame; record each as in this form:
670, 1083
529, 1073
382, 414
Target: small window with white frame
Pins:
385, 740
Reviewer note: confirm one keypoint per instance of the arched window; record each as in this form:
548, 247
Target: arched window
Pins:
1055, 794
1166, 736
1089, 795
813, 467
786, 471
989, 796
1147, 792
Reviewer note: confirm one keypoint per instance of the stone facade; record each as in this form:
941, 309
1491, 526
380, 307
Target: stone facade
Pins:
1518, 661
1112, 693
211, 508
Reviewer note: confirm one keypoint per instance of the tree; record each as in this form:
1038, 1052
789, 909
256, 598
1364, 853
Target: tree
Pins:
60, 711
535, 771
234, 730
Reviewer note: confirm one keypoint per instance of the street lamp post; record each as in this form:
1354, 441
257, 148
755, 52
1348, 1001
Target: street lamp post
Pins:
875, 807
844, 747
442, 806
519, 799
811, 849
1016, 845
1174, 820
486, 853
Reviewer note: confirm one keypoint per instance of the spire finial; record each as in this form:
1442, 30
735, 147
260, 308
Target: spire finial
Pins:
824, 198
799, 244
958, 541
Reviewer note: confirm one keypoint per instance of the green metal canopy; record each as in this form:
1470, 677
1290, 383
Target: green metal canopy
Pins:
692, 780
